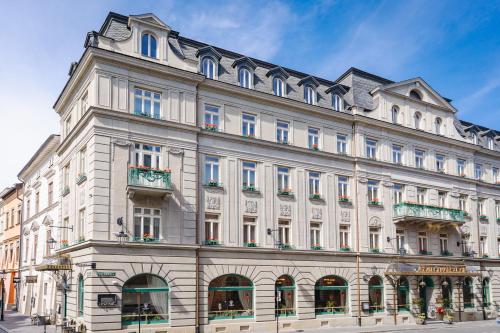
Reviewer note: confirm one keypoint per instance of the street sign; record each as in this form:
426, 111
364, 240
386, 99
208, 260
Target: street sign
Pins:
16, 280
31, 278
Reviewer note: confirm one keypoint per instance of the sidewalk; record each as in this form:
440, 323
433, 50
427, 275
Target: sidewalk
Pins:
15, 322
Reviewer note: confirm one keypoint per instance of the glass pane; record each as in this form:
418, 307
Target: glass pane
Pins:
144, 44
153, 46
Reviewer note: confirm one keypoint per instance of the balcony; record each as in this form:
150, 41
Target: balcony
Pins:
417, 213
149, 182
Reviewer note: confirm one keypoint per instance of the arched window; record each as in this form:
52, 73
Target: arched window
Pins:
486, 292
309, 95
395, 114
279, 86
415, 95
468, 293
403, 294
376, 294
230, 296
208, 67
490, 144
337, 103
474, 138
148, 45
438, 126
446, 293
245, 77
417, 118
145, 300
330, 295
285, 296
81, 295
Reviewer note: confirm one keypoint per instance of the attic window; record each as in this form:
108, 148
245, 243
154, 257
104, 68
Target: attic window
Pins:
395, 114
279, 86
474, 139
438, 126
418, 118
148, 45
245, 78
415, 95
337, 102
490, 143
309, 94
208, 67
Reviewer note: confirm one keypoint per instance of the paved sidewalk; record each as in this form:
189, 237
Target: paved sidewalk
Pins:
15, 322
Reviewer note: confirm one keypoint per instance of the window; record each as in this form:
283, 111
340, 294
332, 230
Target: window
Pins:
462, 202
309, 95
315, 230
337, 103
344, 238
497, 210
282, 132
422, 243
395, 114
474, 139
284, 233
249, 231
343, 183
208, 67
489, 143
211, 170
483, 246
440, 160
245, 78
67, 125
249, 175
146, 156
461, 167
314, 185
442, 198
147, 103
248, 125
212, 229
28, 212
64, 231
26, 249
330, 295
421, 192
403, 294
230, 296
142, 290
81, 295
373, 195
37, 202
443, 244
478, 171
400, 240
50, 194
438, 126
148, 45
211, 117
84, 104
65, 177
468, 291
279, 86
283, 179
341, 144
376, 294
371, 148
419, 159
417, 118
415, 95
486, 292
494, 172
81, 225
374, 238
147, 224
82, 165
397, 154
285, 294
48, 236
398, 190
313, 138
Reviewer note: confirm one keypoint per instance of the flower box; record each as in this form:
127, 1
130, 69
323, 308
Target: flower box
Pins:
283, 142
446, 253
485, 256
316, 247
483, 217
81, 178
375, 250
344, 199
285, 246
315, 196
211, 127
65, 191
211, 242
315, 147
249, 188
425, 252
374, 203
345, 249
213, 183
64, 243
250, 244
285, 192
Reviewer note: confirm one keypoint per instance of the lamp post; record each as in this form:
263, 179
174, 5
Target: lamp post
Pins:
3, 295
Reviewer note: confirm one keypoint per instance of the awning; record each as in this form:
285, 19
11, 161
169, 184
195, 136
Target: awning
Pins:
59, 263
404, 269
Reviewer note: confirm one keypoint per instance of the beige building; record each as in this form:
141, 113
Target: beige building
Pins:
208, 190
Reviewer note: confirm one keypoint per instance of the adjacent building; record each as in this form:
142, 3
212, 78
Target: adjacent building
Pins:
204, 189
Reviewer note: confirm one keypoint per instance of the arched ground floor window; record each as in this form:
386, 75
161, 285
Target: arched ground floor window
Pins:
285, 296
331, 295
145, 299
447, 293
230, 296
403, 294
376, 294
486, 292
468, 293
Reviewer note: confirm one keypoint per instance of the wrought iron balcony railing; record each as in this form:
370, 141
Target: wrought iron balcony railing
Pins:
408, 210
150, 178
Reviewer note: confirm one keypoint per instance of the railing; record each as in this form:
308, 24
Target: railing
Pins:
145, 318
145, 239
285, 312
230, 314
425, 211
151, 178
331, 310
376, 308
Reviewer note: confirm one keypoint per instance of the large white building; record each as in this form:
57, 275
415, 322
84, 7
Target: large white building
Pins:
216, 192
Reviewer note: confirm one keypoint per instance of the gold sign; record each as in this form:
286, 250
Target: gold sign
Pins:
441, 269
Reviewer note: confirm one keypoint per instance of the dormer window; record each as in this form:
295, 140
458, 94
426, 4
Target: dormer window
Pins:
279, 86
417, 119
148, 45
395, 114
474, 139
438, 126
245, 78
414, 94
337, 102
489, 142
208, 67
309, 94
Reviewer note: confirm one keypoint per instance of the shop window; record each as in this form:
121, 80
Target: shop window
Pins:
330, 295
468, 292
376, 294
403, 295
285, 296
229, 297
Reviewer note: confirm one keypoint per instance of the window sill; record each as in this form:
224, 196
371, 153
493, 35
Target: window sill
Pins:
376, 205
217, 186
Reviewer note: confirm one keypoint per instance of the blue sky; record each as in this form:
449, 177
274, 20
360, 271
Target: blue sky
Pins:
453, 45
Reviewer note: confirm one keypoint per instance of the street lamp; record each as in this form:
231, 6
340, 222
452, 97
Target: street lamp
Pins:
3, 294
52, 243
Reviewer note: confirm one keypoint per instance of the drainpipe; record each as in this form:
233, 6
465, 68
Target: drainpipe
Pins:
357, 220
197, 228
18, 286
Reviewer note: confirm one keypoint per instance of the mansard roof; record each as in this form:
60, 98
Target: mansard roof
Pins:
208, 50
308, 80
244, 61
338, 88
278, 70
481, 130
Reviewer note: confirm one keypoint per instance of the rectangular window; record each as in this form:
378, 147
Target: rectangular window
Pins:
400, 240
50, 194
341, 144
66, 176
314, 183
64, 231
462, 202
443, 243
211, 170
497, 210
28, 212
422, 242
419, 159
147, 156
284, 232
37, 202
478, 171
212, 117
249, 175
480, 206
282, 132
26, 249
147, 223
249, 231
47, 244
371, 148
248, 125
82, 165
313, 138
442, 198
81, 225
398, 190
84, 103
147, 103
283, 179
344, 237
373, 195
315, 229
421, 192
397, 152
67, 126
494, 172
212, 228
374, 238
440, 161
461, 167
483, 246
343, 183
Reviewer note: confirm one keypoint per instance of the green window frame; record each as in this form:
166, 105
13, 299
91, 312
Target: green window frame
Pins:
338, 291
285, 288
468, 293
486, 293
376, 284
403, 289
227, 298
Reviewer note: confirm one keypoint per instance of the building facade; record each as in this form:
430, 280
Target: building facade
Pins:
211, 191
41, 213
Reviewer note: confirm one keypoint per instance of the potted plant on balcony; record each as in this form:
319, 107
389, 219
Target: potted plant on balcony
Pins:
250, 188
285, 246
64, 243
315, 196
213, 183
211, 127
483, 217
147, 237
344, 199
375, 250
316, 247
345, 248
315, 147
252, 243
211, 241
285, 191
374, 202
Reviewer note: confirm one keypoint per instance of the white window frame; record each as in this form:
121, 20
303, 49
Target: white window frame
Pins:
248, 124
313, 134
211, 116
397, 154
440, 163
343, 186
480, 206
371, 148
212, 227
400, 239
81, 223
443, 243
398, 193
283, 178
462, 202
142, 150
419, 159
154, 216
314, 183
423, 242
494, 172
337, 102
147, 97
282, 131
373, 190
490, 143
211, 169
245, 77
375, 236
438, 126
249, 230
344, 236
309, 94
341, 144
149, 48
483, 245
421, 195
248, 172
442, 198
284, 233
82, 162
417, 118
209, 67
279, 86
478, 171
395, 114
461, 167
315, 234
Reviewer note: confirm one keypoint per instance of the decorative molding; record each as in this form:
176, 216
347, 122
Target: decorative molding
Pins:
213, 203
483, 229
317, 213
176, 151
388, 184
375, 222
285, 210
345, 216
363, 180
251, 206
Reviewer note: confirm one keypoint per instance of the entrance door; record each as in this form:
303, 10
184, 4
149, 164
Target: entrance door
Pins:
423, 297
426, 293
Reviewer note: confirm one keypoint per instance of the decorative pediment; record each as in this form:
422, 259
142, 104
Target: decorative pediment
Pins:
375, 222
149, 18
338, 89
208, 51
308, 80
278, 71
244, 61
